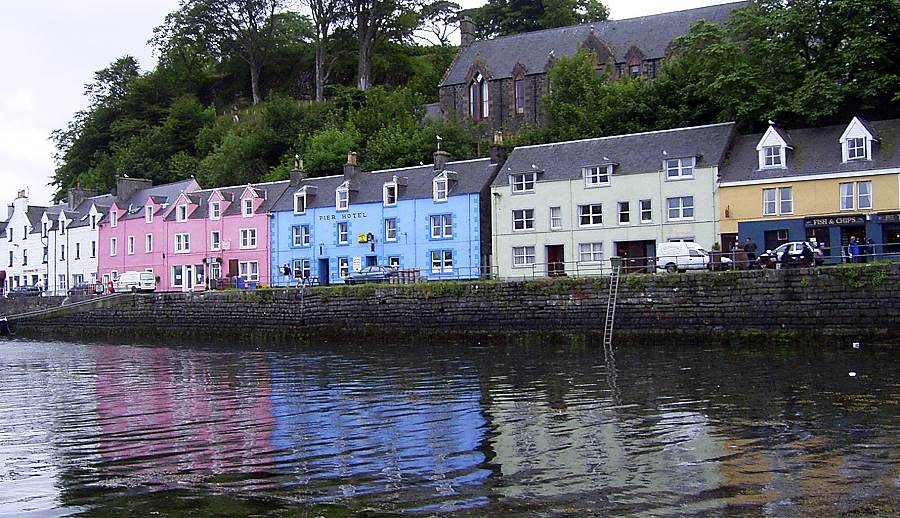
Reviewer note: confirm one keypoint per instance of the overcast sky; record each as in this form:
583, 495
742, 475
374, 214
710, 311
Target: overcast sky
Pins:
51, 48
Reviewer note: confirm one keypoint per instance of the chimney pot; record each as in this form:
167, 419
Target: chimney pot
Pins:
440, 160
350, 168
466, 32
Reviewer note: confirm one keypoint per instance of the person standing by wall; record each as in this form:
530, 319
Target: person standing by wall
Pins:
853, 250
750, 250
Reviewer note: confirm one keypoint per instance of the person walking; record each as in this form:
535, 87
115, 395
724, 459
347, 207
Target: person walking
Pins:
853, 250
870, 249
750, 250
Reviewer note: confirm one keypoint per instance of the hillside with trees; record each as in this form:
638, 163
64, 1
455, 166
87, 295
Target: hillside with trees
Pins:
241, 86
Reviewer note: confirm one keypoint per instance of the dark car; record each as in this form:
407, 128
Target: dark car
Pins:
25, 291
83, 288
371, 274
799, 253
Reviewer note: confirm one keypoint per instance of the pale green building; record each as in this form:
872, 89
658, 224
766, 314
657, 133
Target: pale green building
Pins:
566, 208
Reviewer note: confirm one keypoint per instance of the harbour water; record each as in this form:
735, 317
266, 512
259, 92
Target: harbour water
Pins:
260, 429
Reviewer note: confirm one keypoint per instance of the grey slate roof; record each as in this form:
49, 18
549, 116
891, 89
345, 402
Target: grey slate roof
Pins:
816, 150
633, 153
651, 34
471, 177
82, 212
270, 191
167, 192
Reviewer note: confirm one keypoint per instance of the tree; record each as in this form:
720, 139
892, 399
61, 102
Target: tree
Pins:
504, 17
437, 19
371, 20
325, 13
241, 28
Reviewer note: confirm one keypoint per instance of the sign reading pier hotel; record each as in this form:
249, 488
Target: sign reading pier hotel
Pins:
346, 215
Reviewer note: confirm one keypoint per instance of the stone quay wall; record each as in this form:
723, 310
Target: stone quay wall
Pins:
801, 304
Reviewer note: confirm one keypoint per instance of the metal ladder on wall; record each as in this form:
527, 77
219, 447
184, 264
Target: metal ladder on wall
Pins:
611, 304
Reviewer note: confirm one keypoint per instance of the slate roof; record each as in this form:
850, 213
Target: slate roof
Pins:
471, 177
270, 191
651, 34
82, 212
633, 153
163, 193
816, 151
34, 214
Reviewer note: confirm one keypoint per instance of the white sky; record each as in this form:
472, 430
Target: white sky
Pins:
51, 48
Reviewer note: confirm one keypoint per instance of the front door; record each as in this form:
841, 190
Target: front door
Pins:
371, 260
188, 284
324, 275
556, 260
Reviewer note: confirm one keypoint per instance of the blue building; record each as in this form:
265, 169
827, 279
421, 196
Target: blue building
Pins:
433, 218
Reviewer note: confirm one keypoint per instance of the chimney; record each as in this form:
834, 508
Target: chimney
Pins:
440, 160
466, 32
498, 152
126, 186
297, 173
77, 195
350, 168
21, 194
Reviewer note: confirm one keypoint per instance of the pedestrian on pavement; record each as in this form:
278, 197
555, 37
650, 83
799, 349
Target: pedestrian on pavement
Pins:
750, 249
853, 250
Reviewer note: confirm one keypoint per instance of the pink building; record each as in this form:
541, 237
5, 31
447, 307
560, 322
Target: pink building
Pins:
187, 236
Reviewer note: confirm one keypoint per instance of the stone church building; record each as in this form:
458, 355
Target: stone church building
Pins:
503, 79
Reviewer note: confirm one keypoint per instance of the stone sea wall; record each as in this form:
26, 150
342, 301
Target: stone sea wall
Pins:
801, 304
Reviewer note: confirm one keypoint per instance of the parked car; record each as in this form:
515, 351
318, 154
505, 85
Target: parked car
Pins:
799, 253
135, 282
679, 256
25, 291
371, 274
84, 288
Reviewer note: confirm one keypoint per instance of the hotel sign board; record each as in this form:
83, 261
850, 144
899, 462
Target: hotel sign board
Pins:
893, 217
829, 221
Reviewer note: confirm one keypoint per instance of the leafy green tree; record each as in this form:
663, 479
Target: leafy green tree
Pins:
326, 151
504, 17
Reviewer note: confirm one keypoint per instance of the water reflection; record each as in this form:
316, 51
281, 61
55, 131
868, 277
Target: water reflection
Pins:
434, 429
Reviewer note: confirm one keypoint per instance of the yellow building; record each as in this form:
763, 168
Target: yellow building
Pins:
823, 185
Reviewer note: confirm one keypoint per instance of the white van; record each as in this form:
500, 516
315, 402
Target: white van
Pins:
679, 256
135, 282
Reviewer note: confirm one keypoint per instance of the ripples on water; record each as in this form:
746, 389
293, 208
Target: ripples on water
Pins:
116, 430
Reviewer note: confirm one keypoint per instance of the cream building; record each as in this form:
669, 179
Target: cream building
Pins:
565, 208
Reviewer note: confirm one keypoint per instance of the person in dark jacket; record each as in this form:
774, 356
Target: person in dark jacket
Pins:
853, 250
750, 250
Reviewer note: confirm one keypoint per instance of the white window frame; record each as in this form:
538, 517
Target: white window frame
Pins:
342, 198
182, 243
440, 193
247, 207
770, 202
113, 247
300, 202
588, 211
113, 219
597, 176
522, 182
388, 192
343, 266
523, 256
148, 214
215, 210
215, 240
343, 232
443, 224
785, 196
590, 253
868, 196
394, 261
648, 210
681, 208
773, 157
130, 245
249, 270
626, 212
847, 200
248, 238
390, 229
181, 213
523, 218
556, 220
853, 151
679, 168
442, 261
148, 243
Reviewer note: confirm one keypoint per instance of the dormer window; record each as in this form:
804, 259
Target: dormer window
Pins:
148, 214
300, 202
440, 188
248, 207
523, 182
772, 156
181, 213
342, 197
680, 168
856, 149
113, 219
596, 176
479, 102
389, 194
44, 229
215, 210
93, 222
62, 227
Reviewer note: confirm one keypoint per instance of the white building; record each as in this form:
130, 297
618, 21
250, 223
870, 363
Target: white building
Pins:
22, 246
